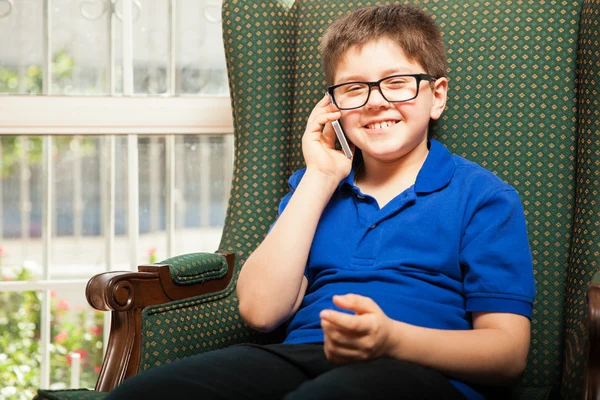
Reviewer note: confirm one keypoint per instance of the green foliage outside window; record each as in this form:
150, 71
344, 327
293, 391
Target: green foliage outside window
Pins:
72, 331
33, 78
14, 148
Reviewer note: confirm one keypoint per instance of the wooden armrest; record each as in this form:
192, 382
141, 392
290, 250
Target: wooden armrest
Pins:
592, 369
126, 294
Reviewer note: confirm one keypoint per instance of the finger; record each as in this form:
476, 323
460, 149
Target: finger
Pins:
317, 121
329, 135
341, 355
323, 106
324, 100
327, 117
326, 105
353, 324
341, 337
332, 354
358, 304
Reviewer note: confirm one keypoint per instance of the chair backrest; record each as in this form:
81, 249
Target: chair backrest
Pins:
523, 102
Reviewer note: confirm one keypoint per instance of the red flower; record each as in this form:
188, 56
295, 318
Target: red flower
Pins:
82, 354
97, 369
152, 251
61, 337
2, 252
96, 330
62, 305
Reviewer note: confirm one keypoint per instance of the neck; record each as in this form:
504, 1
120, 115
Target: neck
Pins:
401, 172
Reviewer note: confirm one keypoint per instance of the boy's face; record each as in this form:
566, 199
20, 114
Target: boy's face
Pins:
382, 130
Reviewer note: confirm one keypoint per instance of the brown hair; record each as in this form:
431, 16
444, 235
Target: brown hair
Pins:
408, 26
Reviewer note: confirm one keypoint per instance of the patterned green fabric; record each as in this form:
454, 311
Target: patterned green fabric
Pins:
259, 48
75, 394
183, 328
585, 246
196, 267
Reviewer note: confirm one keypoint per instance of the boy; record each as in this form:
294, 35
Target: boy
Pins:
405, 271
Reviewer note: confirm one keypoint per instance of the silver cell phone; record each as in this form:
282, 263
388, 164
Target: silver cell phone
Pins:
339, 132
341, 136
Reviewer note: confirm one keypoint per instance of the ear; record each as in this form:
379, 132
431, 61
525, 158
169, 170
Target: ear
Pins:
440, 92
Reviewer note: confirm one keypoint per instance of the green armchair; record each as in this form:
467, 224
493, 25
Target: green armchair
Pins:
524, 102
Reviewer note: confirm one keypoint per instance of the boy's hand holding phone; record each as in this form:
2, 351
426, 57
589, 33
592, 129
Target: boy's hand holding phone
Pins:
318, 142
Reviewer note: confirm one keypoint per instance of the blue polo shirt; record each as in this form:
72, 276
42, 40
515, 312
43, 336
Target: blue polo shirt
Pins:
453, 243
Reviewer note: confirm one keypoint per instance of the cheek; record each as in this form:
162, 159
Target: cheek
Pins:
350, 118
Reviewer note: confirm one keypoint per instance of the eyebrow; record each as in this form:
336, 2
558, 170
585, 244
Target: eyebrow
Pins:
387, 72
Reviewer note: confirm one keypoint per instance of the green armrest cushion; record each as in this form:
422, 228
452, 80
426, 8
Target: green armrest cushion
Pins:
72, 394
192, 268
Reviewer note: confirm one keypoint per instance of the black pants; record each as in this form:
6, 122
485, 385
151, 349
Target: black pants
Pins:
284, 372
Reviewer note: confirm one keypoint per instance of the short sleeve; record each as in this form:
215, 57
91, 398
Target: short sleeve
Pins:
293, 183
496, 259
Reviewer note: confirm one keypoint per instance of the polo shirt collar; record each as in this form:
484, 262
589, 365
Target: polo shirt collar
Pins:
436, 172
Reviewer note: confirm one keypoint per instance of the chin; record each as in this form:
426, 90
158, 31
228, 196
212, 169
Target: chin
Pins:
385, 149
384, 154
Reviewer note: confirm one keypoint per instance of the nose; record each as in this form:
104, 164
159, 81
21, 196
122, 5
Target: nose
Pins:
376, 100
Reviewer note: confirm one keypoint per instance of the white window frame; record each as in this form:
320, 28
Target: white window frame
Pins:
131, 115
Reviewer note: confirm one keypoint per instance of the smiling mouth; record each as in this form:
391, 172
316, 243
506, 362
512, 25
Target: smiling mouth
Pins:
381, 125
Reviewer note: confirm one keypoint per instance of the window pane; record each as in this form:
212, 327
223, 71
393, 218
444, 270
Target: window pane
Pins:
150, 46
201, 56
80, 33
203, 174
77, 246
21, 30
76, 329
152, 213
202, 178
20, 206
19, 343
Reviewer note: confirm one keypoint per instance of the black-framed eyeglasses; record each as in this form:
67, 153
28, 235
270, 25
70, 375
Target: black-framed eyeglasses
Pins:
394, 89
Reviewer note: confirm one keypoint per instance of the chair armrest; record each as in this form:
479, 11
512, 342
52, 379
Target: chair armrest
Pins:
592, 369
126, 294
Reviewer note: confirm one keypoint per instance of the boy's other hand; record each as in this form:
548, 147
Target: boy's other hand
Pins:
362, 336
318, 142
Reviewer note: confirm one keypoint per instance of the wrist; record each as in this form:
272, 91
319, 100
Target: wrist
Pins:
324, 179
397, 342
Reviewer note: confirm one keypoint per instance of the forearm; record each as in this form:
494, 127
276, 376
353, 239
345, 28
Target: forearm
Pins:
270, 281
477, 355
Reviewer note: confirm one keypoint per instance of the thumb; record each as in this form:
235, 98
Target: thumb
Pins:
357, 303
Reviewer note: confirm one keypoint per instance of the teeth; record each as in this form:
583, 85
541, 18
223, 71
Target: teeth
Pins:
379, 125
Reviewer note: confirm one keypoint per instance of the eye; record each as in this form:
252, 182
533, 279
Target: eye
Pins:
354, 88
396, 82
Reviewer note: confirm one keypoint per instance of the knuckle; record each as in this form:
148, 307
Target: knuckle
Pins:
335, 336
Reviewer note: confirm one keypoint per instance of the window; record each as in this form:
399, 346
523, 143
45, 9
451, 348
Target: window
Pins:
116, 149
